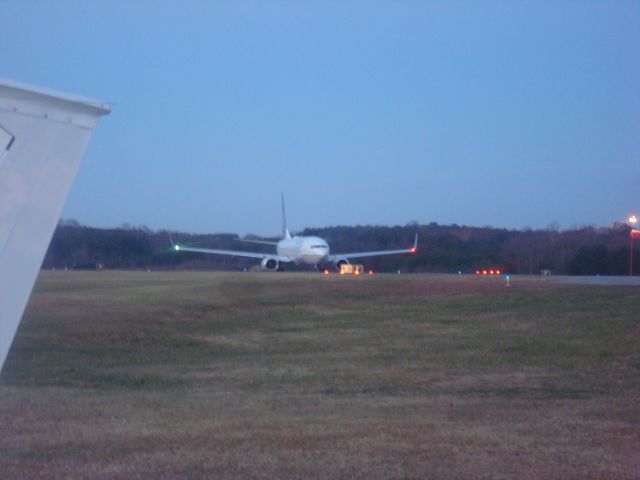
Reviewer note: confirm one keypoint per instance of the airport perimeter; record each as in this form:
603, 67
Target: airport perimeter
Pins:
296, 375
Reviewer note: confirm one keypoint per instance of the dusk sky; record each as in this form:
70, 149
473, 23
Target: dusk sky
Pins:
502, 113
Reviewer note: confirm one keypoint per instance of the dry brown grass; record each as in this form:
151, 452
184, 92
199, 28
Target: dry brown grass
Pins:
208, 375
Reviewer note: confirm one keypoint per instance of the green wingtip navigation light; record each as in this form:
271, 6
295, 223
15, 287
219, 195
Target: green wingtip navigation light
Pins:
177, 247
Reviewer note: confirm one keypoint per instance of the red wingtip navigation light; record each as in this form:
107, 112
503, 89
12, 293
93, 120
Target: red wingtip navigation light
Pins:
326, 272
370, 272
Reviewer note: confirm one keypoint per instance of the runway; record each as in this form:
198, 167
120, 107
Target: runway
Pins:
598, 280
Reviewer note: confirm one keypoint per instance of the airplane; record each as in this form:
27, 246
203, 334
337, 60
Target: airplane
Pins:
309, 250
43, 135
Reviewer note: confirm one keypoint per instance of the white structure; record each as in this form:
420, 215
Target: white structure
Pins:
43, 135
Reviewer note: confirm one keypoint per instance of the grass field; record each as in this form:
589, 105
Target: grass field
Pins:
276, 376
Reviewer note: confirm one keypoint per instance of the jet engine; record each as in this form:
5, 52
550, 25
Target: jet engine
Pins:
340, 262
270, 263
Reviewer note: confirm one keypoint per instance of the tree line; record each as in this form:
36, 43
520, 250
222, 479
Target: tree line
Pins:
441, 249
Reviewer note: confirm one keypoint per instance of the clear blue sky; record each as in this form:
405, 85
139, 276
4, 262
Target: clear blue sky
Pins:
503, 113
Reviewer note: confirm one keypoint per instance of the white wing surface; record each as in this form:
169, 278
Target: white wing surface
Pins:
262, 242
375, 253
43, 135
233, 253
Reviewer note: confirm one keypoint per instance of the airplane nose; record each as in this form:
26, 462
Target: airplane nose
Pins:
320, 252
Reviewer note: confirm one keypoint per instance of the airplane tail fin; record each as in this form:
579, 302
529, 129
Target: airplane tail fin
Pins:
43, 135
285, 231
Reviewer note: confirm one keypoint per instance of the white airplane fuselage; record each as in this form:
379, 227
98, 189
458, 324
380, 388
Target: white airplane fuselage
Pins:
304, 250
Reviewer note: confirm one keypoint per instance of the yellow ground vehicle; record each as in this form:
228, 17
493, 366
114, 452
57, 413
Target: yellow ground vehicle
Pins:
351, 268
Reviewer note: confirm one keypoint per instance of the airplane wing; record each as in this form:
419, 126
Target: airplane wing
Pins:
263, 242
43, 135
233, 253
375, 253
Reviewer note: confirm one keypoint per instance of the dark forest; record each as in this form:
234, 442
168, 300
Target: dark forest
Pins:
441, 249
